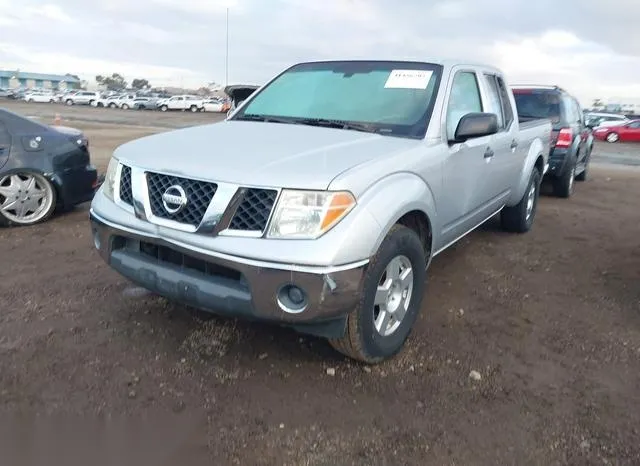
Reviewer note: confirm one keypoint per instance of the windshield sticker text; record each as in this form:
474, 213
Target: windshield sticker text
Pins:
408, 79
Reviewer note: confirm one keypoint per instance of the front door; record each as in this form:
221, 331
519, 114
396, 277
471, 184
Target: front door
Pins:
464, 171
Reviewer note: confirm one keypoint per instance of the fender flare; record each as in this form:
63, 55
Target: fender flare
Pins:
535, 153
394, 196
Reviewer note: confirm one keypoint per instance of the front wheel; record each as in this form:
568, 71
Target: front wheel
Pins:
26, 199
164, 108
193, 109
392, 293
125, 107
519, 218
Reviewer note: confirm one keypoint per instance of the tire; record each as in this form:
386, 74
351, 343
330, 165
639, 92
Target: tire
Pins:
583, 175
125, 107
30, 101
112, 105
91, 103
520, 217
69, 102
164, 108
613, 137
362, 340
100, 104
563, 184
193, 108
52, 101
15, 185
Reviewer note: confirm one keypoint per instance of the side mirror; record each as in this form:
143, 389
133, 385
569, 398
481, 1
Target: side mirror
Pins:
475, 125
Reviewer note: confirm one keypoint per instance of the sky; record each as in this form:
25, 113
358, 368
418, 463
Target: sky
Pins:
589, 47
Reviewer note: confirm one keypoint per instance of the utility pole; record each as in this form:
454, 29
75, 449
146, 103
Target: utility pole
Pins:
226, 64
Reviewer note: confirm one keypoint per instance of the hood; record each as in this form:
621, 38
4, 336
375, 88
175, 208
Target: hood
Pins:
260, 154
240, 92
66, 130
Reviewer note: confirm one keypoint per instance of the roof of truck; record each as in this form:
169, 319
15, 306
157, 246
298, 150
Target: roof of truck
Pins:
446, 63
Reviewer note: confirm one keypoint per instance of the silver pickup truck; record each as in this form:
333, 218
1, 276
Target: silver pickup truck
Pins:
325, 197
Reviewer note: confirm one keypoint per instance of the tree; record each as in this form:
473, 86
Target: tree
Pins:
140, 84
115, 82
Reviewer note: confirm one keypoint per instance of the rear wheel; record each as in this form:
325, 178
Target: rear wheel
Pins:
125, 107
585, 173
112, 105
26, 199
193, 108
563, 185
519, 218
392, 292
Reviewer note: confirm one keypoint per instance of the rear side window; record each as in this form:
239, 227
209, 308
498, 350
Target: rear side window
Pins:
507, 111
495, 103
464, 98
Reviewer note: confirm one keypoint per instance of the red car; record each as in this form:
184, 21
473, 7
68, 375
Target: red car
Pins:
628, 132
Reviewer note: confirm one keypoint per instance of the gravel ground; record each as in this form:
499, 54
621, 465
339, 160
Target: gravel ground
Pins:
549, 321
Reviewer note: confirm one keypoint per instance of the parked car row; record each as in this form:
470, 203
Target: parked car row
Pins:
123, 101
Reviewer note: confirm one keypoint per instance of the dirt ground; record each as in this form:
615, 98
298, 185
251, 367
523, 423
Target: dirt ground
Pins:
550, 320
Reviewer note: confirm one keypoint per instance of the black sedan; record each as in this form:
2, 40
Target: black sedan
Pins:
42, 168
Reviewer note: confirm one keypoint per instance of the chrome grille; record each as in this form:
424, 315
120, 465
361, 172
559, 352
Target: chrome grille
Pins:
199, 196
126, 193
253, 212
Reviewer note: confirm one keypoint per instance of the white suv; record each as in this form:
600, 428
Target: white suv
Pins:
82, 98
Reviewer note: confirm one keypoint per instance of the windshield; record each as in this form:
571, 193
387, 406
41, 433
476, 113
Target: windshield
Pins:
390, 98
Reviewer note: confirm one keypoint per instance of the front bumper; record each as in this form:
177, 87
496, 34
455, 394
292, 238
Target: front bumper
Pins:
237, 287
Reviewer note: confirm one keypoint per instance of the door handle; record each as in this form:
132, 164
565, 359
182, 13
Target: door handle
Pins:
488, 153
514, 144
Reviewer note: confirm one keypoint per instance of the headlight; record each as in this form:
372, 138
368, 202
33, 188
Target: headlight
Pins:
308, 214
110, 178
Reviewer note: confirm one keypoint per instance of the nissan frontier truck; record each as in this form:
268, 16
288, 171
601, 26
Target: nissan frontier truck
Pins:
320, 202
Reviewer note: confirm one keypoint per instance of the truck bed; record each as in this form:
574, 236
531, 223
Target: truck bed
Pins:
527, 122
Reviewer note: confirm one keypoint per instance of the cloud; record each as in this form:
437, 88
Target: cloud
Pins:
593, 50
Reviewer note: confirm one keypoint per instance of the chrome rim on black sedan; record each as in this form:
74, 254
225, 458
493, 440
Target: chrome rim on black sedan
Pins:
25, 198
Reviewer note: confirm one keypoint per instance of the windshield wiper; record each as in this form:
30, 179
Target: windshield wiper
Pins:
327, 123
268, 119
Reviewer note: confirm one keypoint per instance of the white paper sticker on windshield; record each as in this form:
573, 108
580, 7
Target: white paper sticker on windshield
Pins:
408, 79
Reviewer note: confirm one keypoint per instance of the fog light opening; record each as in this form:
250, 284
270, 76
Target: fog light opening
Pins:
292, 299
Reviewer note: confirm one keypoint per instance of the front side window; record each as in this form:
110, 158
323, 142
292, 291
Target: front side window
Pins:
464, 98
389, 98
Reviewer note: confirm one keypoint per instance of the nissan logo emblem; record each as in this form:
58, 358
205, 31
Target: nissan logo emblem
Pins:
174, 199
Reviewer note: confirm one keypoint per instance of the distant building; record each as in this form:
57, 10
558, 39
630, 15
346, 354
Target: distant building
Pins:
12, 79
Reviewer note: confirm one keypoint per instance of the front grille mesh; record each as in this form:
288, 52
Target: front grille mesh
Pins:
199, 196
126, 193
254, 210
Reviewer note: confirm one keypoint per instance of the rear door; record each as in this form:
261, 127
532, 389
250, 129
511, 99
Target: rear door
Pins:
503, 167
